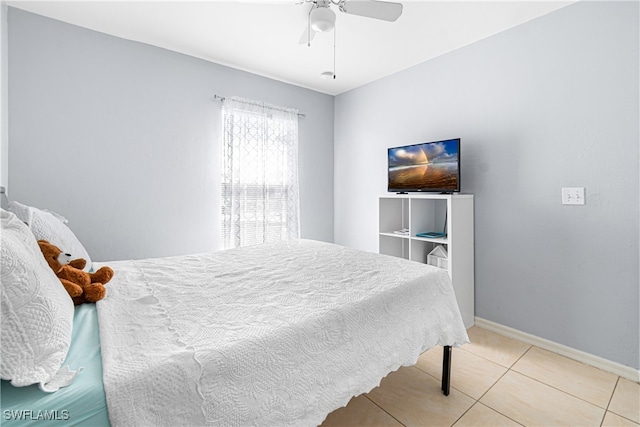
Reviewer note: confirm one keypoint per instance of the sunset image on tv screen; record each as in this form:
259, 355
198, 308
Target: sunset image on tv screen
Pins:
424, 167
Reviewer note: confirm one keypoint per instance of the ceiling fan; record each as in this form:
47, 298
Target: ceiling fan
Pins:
323, 19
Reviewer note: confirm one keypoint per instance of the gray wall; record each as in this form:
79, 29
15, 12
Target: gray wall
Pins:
4, 100
123, 139
552, 103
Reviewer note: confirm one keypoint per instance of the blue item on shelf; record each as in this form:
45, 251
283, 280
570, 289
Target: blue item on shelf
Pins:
431, 234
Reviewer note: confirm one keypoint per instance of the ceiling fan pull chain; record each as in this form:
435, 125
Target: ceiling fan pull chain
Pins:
334, 53
309, 28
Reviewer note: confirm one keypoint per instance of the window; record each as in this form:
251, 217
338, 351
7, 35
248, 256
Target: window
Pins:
260, 173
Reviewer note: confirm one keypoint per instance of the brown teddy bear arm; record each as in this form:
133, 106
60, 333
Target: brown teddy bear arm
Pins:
72, 289
103, 275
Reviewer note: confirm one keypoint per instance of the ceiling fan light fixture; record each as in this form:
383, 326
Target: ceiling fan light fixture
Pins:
323, 19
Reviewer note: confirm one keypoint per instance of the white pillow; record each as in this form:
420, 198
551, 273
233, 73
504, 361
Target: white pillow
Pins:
36, 312
51, 226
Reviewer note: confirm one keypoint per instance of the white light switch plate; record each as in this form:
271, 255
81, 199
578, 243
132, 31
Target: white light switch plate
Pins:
573, 196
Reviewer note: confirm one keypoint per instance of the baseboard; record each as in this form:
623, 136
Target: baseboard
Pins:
581, 356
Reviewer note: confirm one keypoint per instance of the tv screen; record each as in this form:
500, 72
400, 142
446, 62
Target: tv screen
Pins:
430, 167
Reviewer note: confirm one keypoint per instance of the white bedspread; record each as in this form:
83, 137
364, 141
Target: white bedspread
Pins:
274, 335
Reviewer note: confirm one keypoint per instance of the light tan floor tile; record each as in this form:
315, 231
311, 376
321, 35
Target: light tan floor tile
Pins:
471, 374
613, 420
481, 416
530, 402
360, 412
583, 381
626, 400
495, 347
414, 398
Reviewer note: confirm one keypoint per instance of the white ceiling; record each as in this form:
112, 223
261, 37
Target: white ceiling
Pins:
262, 36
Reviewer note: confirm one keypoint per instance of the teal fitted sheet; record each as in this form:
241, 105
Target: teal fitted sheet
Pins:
82, 403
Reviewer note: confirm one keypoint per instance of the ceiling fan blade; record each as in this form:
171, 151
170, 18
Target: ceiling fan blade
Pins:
306, 37
387, 11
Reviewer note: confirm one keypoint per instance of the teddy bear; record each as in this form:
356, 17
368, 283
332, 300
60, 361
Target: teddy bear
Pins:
81, 286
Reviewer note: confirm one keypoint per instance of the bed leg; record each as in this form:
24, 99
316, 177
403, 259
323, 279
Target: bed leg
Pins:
446, 370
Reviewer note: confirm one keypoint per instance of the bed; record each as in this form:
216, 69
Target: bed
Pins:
82, 403
275, 334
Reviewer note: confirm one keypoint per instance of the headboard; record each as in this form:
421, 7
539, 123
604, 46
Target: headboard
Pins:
4, 200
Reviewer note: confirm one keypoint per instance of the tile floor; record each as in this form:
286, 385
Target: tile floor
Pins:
496, 381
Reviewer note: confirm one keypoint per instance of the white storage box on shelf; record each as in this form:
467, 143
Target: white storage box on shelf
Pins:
438, 257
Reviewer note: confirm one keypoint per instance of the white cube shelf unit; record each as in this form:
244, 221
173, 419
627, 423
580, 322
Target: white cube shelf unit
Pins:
420, 213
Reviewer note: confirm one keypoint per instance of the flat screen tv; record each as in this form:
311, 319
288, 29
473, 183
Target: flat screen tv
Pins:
429, 167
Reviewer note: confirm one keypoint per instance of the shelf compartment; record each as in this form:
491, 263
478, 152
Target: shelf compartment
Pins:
395, 245
393, 215
428, 215
420, 249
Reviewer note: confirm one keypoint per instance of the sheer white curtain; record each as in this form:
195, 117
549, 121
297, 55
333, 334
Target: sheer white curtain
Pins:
260, 173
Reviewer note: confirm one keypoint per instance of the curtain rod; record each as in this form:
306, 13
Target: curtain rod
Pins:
222, 98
